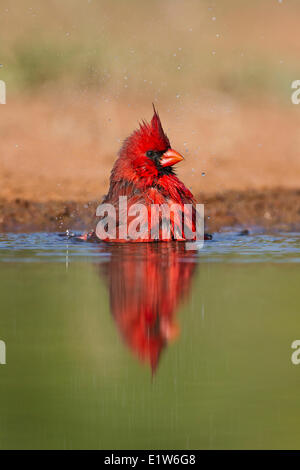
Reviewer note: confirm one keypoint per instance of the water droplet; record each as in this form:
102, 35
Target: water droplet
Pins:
203, 173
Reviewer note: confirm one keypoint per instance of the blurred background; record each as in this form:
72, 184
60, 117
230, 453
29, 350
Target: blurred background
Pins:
214, 327
81, 74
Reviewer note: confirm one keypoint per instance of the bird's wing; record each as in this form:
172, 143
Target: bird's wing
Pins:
163, 223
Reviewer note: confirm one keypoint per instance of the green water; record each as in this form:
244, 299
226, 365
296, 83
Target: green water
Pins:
77, 374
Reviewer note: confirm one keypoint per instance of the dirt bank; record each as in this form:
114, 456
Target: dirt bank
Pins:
241, 159
271, 209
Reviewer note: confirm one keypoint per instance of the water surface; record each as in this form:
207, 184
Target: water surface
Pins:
148, 345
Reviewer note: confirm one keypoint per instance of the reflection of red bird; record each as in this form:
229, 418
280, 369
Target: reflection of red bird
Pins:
144, 173
146, 283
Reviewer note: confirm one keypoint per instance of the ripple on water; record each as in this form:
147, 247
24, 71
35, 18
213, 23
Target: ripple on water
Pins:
225, 247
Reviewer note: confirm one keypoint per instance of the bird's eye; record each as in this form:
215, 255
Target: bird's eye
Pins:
150, 153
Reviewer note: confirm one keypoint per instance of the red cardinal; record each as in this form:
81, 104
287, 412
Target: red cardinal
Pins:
144, 173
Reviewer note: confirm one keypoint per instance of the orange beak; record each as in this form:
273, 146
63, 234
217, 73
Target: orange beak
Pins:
170, 157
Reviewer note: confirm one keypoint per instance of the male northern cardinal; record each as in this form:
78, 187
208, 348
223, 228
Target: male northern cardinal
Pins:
144, 173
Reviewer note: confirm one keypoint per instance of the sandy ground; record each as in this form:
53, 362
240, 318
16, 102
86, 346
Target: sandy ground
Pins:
56, 154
